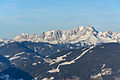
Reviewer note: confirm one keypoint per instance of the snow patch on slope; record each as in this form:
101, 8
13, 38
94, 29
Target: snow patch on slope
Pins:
59, 59
16, 56
104, 71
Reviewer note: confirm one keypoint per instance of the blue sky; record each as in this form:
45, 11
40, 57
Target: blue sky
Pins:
36, 16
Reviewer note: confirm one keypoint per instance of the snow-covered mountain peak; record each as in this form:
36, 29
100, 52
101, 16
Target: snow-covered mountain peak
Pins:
84, 29
53, 33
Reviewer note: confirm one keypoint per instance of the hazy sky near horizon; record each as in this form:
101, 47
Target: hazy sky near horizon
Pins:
36, 16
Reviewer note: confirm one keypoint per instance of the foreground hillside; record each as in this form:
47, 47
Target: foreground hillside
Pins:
100, 62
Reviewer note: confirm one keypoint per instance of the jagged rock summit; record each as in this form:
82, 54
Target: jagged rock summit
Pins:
82, 35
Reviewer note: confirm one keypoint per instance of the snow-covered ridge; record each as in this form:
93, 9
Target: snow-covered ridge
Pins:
83, 35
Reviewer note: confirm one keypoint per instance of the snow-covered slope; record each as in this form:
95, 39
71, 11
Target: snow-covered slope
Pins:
82, 35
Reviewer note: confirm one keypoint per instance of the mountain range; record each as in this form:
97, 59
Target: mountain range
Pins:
81, 35
82, 53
